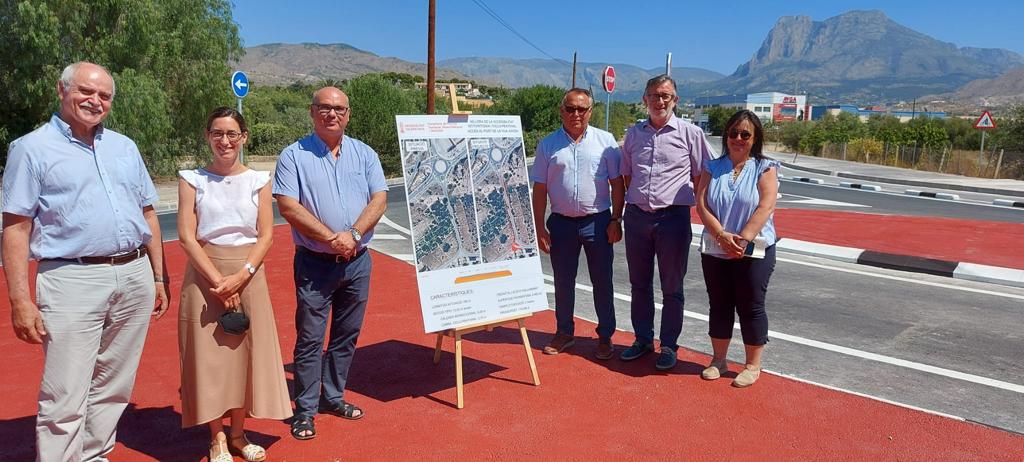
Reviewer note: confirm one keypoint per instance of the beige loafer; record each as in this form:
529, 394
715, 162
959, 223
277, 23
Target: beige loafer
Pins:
714, 370
747, 377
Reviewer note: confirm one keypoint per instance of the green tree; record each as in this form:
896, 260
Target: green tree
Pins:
622, 117
375, 102
179, 48
840, 128
717, 117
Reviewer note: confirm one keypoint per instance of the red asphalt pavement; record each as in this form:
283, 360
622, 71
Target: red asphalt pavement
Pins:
583, 410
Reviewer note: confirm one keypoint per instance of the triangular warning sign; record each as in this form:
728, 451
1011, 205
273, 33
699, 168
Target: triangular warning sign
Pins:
985, 121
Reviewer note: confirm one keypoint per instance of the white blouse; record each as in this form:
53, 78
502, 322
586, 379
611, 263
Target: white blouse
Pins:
226, 206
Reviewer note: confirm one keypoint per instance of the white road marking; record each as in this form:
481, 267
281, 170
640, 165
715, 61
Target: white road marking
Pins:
812, 201
850, 351
389, 237
387, 221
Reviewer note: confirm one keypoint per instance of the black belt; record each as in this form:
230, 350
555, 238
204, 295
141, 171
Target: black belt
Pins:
112, 260
567, 217
670, 208
329, 256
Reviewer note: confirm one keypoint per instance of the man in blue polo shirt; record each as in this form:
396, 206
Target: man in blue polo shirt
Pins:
331, 189
77, 198
574, 167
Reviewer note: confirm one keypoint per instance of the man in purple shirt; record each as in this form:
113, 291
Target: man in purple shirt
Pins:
662, 159
574, 167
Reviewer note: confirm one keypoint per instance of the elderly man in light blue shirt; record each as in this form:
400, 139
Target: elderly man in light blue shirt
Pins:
331, 189
77, 198
662, 160
575, 167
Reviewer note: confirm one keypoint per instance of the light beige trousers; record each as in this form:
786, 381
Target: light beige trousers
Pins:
96, 318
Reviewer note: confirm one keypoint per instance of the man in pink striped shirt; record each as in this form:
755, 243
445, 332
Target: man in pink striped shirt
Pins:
662, 159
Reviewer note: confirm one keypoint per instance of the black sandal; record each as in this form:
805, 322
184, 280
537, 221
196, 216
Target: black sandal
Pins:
344, 410
301, 425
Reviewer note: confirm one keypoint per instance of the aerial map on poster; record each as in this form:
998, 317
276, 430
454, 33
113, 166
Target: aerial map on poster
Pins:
476, 252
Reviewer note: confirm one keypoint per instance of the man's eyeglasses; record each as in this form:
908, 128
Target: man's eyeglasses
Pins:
662, 96
575, 109
231, 136
325, 109
743, 135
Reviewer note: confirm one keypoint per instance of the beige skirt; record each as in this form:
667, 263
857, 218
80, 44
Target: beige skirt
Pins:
219, 371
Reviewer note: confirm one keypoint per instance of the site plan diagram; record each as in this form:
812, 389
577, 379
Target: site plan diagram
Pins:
471, 218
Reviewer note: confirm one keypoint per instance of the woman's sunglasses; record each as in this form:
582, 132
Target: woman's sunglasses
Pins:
743, 135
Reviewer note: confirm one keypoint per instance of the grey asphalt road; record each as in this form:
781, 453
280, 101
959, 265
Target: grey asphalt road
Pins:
795, 195
942, 345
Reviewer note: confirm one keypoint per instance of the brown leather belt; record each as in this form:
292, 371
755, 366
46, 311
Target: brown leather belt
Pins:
112, 260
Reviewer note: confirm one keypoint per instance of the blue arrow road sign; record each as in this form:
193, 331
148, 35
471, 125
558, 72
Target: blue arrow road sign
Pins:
240, 84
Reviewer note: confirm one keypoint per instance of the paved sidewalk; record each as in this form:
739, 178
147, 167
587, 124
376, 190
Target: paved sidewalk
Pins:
904, 176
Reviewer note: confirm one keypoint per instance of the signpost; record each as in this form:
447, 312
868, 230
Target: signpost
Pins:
609, 86
240, 87
984, 123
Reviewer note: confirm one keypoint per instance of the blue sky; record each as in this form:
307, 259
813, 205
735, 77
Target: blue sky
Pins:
713, 35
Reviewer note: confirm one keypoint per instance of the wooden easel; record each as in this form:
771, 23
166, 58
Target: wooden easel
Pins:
457, 335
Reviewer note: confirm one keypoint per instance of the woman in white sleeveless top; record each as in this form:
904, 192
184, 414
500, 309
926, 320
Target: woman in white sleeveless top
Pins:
225, 225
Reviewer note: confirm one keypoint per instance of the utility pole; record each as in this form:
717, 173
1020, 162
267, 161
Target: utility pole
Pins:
430, 56
573, 70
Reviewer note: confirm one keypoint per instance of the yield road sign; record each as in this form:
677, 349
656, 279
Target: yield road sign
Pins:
239, 84
609, 79
985, 122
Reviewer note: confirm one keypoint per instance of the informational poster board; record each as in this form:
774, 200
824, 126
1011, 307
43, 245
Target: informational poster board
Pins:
475, 246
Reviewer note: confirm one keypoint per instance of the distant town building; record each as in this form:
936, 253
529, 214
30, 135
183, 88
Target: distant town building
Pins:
769, 106
817, 112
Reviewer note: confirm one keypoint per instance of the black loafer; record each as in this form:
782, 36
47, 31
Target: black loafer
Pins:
636, 350
666, 359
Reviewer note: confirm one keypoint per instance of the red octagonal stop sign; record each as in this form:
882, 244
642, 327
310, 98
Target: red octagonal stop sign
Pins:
609, 79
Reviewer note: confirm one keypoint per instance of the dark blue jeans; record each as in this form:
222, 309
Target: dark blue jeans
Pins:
738, 287
324, 288
568, 236
663, 234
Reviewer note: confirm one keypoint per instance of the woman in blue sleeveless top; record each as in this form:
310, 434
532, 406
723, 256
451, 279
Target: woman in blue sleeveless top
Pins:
736, 201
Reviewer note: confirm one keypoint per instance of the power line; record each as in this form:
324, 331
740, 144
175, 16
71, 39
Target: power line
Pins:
508, 26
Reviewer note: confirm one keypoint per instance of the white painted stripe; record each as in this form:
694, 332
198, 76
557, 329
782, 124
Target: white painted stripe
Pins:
903, 279
912, 192
387, 221
856, 353
1005, 202
985, 273
947, 196
388, 237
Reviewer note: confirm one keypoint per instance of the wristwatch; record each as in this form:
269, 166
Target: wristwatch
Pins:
616, 219
355, 234
251, 269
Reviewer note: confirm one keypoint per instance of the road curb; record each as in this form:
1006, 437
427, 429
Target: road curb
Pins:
865, 187
951, 269
1008, 203
935, 195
